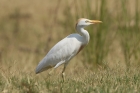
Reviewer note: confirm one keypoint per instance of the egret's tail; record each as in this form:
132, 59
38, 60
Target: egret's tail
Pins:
39, 69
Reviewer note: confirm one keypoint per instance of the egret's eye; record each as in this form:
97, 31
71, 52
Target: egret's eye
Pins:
86, 21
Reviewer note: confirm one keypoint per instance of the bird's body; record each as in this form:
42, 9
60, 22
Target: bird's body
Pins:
62, 52
67, 48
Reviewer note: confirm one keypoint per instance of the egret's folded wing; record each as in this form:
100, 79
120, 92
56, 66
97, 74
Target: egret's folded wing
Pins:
60, 52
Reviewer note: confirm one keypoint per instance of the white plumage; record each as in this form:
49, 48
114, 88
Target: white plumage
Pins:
62, 52
67, 48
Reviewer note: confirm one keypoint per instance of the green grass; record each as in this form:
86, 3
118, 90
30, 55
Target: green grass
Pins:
100, 81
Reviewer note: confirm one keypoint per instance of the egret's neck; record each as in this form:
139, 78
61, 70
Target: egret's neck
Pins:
83, 33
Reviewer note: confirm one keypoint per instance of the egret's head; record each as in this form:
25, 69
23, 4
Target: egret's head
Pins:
83, 22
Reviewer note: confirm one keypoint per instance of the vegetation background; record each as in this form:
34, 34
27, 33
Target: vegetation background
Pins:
109, 64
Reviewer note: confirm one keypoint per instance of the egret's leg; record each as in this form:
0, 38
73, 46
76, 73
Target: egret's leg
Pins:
63, 74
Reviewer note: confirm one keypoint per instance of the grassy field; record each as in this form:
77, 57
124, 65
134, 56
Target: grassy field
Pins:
85, 81
109, 64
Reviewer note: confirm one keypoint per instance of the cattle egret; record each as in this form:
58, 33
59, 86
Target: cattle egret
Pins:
67, 48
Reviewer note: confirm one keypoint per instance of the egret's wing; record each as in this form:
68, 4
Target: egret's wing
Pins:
62, 52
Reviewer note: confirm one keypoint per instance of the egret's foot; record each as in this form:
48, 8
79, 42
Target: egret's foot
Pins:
63, 76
